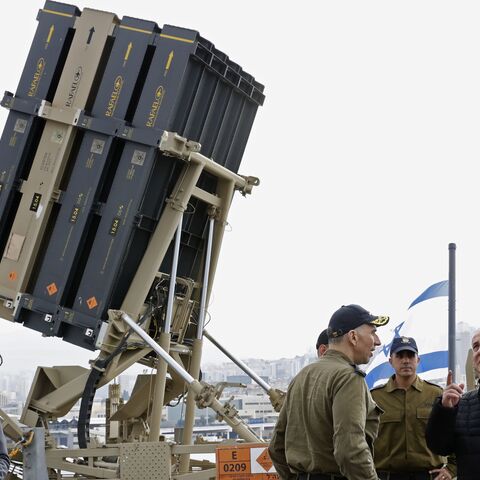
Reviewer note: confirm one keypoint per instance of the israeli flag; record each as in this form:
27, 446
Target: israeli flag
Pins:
427, 323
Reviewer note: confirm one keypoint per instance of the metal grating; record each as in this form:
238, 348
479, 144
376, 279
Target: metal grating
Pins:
148, 461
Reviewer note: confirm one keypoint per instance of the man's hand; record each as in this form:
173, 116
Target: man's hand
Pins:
452, 393
442, 474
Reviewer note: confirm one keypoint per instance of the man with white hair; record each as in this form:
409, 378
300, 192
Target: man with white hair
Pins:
454, 424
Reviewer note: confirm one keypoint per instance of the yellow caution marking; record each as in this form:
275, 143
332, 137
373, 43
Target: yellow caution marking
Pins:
92, 302
50, 33
52, 289
53, 12
169, 62
135, 29
179, 39
127, 52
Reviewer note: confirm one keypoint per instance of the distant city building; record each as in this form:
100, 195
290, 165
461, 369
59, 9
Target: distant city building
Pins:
249, 399
463, 345
245, 379
272, 371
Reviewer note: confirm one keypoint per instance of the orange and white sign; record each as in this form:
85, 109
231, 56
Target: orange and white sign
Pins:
245, 462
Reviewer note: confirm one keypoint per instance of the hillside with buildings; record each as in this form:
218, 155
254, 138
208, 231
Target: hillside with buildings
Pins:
251, 401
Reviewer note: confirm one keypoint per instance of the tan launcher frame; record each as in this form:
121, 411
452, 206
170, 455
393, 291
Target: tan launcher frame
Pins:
55, 390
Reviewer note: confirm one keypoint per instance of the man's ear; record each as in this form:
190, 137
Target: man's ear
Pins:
390, 360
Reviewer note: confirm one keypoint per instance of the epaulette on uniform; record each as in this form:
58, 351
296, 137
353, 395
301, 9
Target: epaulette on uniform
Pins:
360, 372
434, 385
378, 387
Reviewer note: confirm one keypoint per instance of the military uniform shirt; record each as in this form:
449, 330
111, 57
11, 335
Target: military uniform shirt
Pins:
328, 422
401, 445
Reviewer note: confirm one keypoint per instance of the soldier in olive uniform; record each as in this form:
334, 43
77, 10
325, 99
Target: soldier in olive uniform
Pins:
401, 451
329, 421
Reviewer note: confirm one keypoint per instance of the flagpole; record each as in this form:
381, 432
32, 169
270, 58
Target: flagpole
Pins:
451, 308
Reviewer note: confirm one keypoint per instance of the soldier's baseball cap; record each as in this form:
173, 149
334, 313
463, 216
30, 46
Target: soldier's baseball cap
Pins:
403, 343
349, 317
322, 339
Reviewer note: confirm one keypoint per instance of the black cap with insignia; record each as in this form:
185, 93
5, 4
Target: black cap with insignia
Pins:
403, 343
349, 317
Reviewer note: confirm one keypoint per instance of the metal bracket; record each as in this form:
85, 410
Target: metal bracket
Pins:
67, 116
22, 105
250, 183
144, 136
220, 386
177, 146
107, 126
277, 397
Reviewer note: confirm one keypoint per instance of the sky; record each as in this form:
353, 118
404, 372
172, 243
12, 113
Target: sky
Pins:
366, 148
